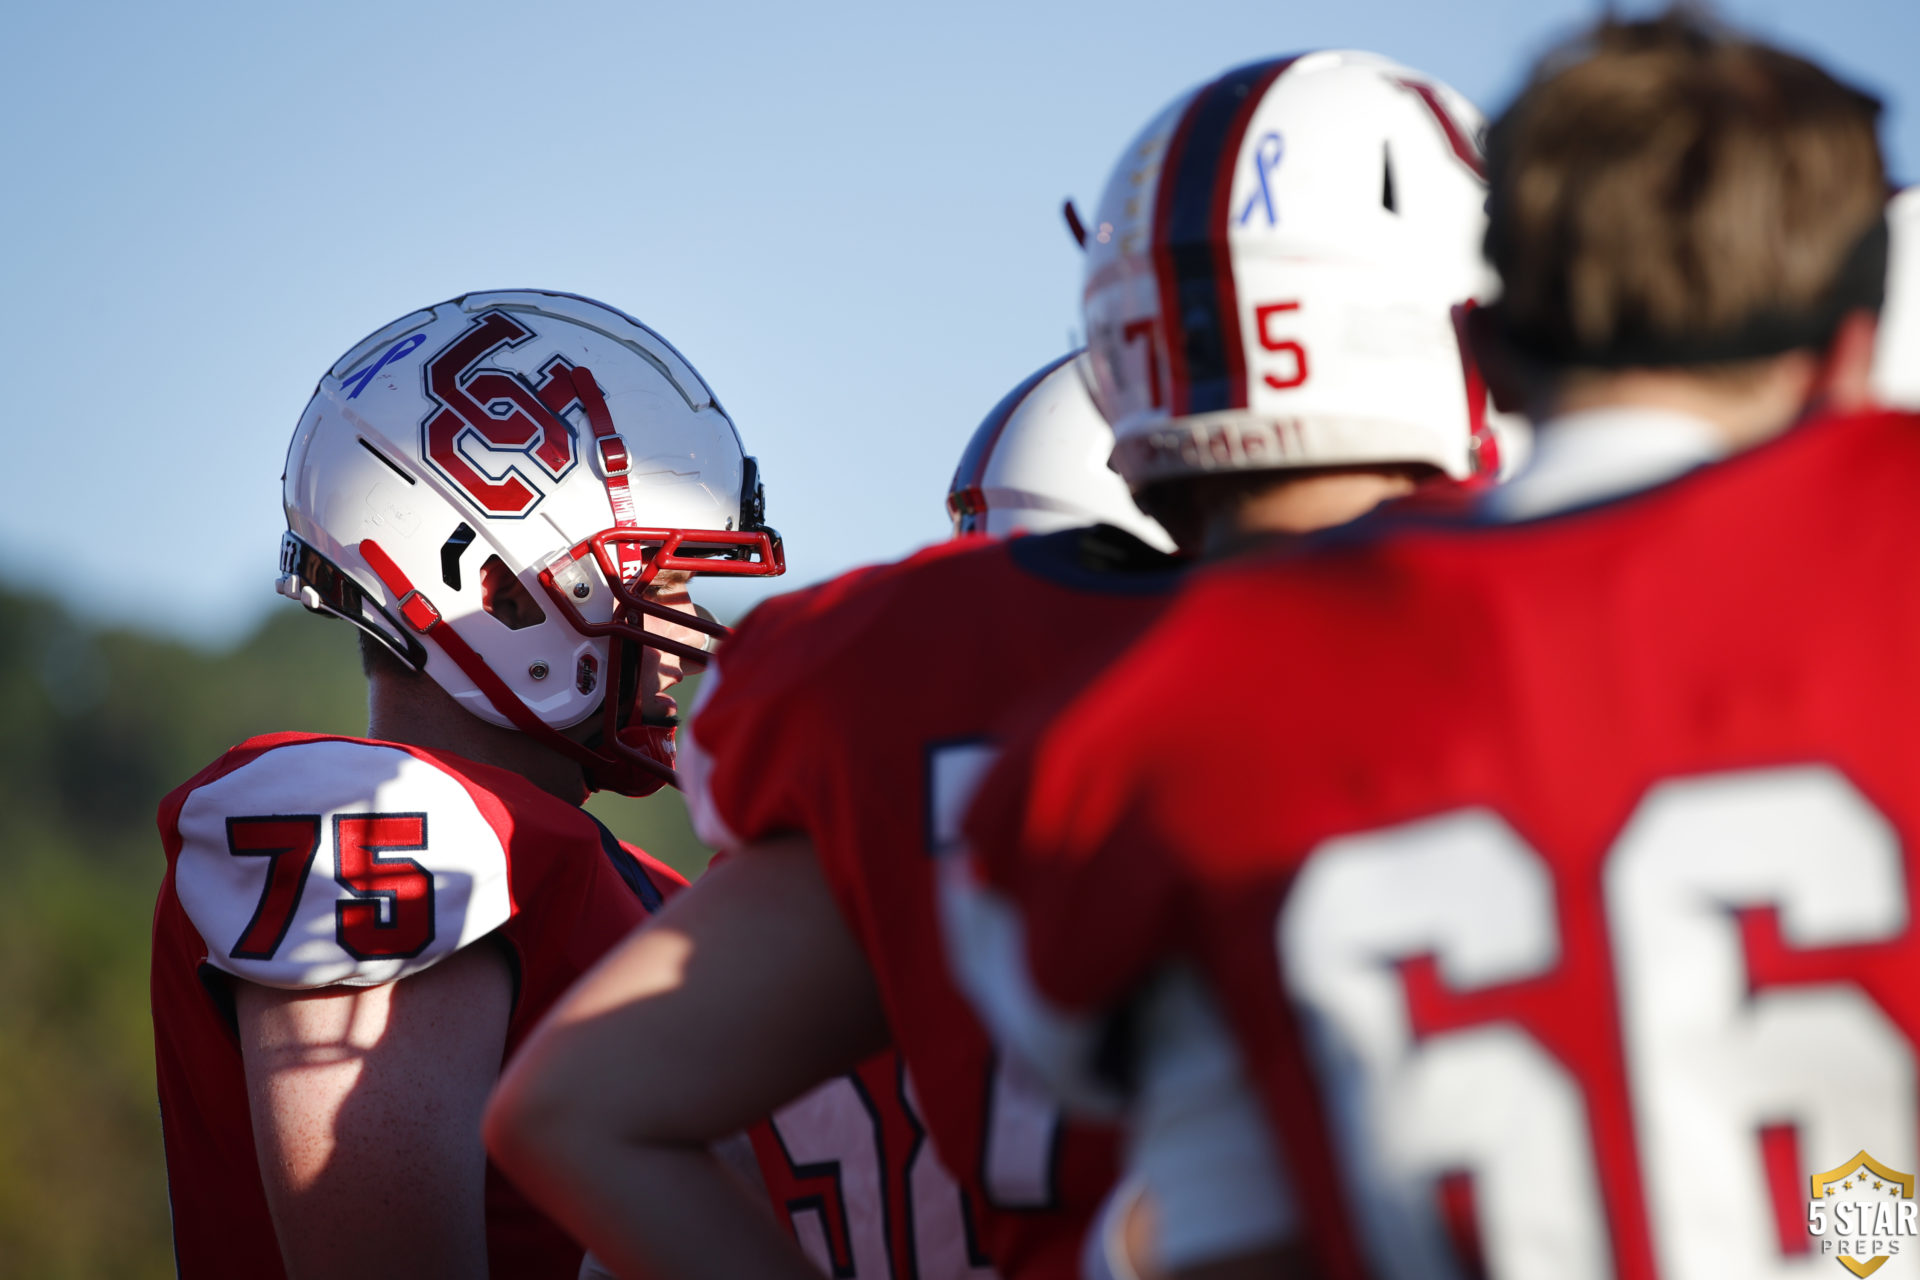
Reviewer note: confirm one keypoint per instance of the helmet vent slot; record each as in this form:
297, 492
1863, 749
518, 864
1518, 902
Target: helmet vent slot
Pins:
461, 539
506, 599
391, 464
1387, 198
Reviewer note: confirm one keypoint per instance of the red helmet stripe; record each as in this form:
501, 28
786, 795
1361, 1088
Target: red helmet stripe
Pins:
1486, 445
613, 458
1465, 149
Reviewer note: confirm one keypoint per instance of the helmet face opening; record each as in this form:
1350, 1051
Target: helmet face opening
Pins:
755, 553
634, 756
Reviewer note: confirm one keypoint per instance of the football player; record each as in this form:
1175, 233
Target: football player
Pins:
843, 725
1553, 871
507, 494
845, 1165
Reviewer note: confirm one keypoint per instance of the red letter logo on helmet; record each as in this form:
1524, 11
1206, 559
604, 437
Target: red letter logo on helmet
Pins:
498, 412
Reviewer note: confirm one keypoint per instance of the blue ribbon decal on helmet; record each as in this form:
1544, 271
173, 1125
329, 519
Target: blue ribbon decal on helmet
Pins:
1266, 159
394, 352
1193, 213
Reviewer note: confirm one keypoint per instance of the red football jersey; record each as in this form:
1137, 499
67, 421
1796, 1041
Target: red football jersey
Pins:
858, 712
301, 861
1557, 878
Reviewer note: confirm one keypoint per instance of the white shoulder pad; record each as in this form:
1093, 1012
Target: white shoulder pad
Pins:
337, 862
696, 773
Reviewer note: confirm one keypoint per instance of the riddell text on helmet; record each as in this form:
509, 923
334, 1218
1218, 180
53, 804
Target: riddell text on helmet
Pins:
1230, 444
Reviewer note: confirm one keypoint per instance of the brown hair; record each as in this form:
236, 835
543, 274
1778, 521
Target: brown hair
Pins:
1669, 192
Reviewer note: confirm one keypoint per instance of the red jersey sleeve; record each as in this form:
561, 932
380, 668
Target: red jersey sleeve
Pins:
751, 759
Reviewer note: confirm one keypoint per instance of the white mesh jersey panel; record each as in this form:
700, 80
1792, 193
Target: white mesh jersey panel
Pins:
1896, 357
338, 862
986, 947
1197, 1138
696, 774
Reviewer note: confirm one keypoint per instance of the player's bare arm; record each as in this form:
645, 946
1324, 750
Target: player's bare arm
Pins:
366, 1107
352, 930
600, 1120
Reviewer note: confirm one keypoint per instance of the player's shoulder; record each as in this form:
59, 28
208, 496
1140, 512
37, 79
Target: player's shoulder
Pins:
301, 771
1846, 460
1795, 494
822, 668
781, 684
1880, 432
345, 748
1821, 466
305, 860
943, 593
1826, 457
1414, 554
854, 624
1096, 560
826, 615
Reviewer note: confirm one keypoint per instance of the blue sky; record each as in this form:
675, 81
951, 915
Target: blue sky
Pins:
845, 215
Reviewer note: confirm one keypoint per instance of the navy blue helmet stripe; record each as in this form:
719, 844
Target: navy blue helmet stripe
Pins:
1198, 304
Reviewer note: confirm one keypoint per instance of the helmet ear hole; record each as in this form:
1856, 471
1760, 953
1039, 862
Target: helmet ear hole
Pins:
505, 598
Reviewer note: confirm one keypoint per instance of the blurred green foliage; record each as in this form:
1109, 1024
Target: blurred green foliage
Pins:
99, 725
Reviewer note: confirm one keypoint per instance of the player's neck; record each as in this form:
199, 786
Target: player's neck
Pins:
1740, 415
1746, 403
420, 713
1301, 505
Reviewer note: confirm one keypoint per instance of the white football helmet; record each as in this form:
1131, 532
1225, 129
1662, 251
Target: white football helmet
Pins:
1278, 273
1038, 462
522, 436
1896, 354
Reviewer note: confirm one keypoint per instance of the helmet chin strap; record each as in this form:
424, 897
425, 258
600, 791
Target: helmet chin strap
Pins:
423, 617
652, 744
1485, 445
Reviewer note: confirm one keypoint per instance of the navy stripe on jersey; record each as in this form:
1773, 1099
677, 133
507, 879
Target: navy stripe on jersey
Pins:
972, 471
630, 869
1098, 559
1198, 304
